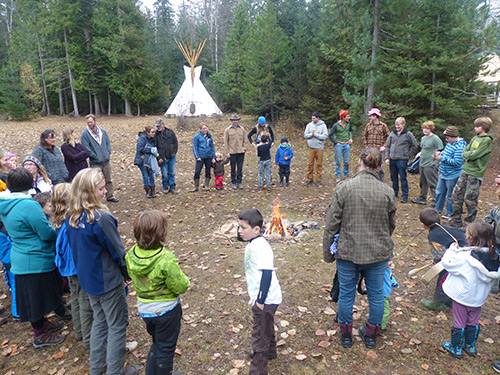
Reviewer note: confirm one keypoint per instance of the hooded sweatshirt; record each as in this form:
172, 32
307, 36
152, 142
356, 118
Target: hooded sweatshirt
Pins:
281, 152
32, 237
156, 275
476, 155
316, 141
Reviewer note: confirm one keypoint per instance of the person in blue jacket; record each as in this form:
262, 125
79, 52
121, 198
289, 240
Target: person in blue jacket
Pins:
284, 155
204, 153
38, 284
145, 159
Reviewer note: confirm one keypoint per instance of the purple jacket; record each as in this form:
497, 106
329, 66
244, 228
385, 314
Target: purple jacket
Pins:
75, 159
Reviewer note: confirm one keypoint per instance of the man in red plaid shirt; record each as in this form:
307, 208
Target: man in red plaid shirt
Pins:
375, 135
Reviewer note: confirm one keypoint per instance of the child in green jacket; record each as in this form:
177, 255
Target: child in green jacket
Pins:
158, 281
476, 156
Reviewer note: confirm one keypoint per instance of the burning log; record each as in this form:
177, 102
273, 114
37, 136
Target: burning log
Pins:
277, 225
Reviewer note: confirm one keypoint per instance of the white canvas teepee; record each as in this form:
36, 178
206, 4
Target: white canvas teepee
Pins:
193, 98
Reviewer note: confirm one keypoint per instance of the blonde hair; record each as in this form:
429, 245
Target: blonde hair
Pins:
2, 154
60, 196
42, 171
90, 116
83, 196
429, 125
400, 120
67, 137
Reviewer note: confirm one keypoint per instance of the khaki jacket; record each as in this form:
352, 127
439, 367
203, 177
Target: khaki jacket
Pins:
363, 212
234, 139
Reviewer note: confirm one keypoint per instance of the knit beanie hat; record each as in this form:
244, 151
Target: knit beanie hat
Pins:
284, 139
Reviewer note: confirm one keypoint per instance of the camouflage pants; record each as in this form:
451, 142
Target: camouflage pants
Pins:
466, 191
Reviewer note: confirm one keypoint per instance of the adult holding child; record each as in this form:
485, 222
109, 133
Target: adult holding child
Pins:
51, 157
204, 154
363, 212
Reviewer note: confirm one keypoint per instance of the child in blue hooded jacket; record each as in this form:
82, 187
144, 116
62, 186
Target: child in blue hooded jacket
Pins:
284, 155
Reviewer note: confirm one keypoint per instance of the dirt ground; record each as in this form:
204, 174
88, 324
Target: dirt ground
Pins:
215, 334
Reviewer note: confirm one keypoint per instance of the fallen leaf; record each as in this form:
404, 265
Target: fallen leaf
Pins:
281, 343
301, 357
414, 341
292, 332
238, 363
234, 371
178, 351
424, 366
320, 332
284, 323
371, 355
302, 308
441, 316
236, 276
58, 355
329, 311
324, 344
61, 371
406, 350
489, 340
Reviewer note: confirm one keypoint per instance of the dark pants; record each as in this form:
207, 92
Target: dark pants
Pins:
428, 181
165, 331
263, 338
284, 170
398, 168
199, 166
237, 167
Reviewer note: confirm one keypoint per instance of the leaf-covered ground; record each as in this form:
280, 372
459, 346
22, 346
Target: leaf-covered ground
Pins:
215, 335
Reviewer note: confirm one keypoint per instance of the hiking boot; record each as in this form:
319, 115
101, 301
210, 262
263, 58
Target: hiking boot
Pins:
432, 305
234, 187
318, 183
345, 333
446, 217
454, 346
496, 366
281, 184
173, 190
404, 200
51, 326
308, 183
166, 190
240, 185
146, 189
152, 191
418, 201
47, 339
368, 333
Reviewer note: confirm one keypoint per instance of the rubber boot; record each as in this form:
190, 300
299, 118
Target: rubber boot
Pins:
281, 181
454, 346
146, 189
207, 184
345, 334
152, 192
369, 333
471, 333
287, 181
196, 186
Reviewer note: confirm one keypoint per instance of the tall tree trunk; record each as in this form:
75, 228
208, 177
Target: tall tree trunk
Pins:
42, 70
128, 109
97, 106
375, 40
90, 102
61, 99
70, 74
109, 102
433, 103
138, 110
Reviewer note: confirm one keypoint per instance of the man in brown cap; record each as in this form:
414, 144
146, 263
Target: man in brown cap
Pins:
450, 167
234, 143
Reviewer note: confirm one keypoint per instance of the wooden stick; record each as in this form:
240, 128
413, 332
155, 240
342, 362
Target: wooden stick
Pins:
412, 239
417, 270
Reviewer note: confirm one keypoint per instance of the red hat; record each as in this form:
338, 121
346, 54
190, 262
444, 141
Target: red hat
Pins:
343, 113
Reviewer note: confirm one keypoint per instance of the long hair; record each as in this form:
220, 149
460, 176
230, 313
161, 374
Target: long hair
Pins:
481, 234
60, 196
3, 153
83, 196
67, 137
43, 136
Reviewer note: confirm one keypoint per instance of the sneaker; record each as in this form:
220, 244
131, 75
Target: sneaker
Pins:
113, 199
308, 183
47, 339
67, 315
52, 326
404, 200
240, 185
496, 366
318, 183
418, 201
173, 190
234, 187
166, 190
446, 217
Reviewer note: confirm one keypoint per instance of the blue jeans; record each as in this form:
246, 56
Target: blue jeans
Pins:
168, 173
342, 151
398, 167
348, 274
444, 190
148, 177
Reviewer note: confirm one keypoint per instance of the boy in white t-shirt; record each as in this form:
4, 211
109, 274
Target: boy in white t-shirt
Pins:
263, 288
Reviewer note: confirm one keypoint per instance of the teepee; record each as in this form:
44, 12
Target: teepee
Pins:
193, 98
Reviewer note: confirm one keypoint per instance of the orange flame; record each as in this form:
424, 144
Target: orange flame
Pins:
276, 226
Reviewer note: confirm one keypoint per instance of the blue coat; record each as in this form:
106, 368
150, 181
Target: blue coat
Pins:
64, 257
144, 146
203, 147
451, 161
280, 154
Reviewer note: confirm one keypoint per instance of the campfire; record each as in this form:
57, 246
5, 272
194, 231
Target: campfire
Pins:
277, 226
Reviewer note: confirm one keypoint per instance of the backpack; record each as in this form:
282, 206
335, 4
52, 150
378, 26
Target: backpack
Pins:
414, 165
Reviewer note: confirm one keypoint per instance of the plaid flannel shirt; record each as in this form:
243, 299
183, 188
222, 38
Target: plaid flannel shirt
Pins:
375, 135
363, 212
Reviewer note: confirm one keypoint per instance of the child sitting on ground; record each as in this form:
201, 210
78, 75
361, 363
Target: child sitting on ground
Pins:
158, 281
45, 200
390, 283
471, 272
284, 155
218, 167
264, 154
440, 238
263, 288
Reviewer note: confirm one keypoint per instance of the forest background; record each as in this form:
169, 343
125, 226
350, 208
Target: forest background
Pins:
280, 58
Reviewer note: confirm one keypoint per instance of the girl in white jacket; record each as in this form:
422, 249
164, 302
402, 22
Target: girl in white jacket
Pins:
471, 272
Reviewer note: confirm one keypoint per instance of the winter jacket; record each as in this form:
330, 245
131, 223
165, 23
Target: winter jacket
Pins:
339, 133
156, 274
98, 252
203, 147
40, 186
493, 218
264, 151
255, 131
363, 212
64, 257
32, 236
279, 158
75, 158
99, 154
451, 161
469, 281
53, 163
476, 155
441, 237
218, 167
5, 244
234, 139
145, 146
390, 283
166, 143
320, 134
400, 146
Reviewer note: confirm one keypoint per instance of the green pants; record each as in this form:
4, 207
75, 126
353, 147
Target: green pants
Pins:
387, 312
